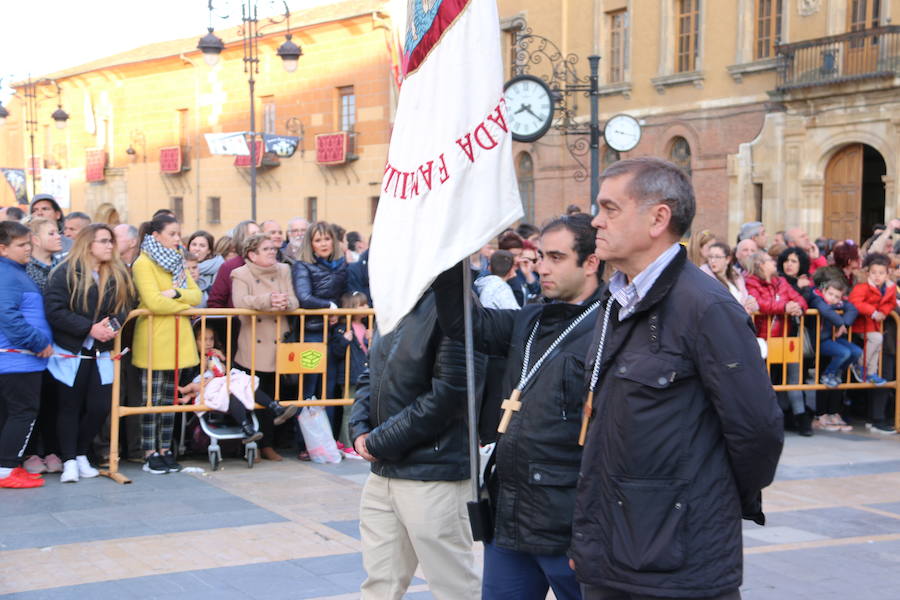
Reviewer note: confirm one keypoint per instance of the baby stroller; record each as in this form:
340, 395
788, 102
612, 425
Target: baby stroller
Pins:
219, 426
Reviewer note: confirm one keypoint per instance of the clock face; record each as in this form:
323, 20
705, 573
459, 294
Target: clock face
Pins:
622, 133
529, 107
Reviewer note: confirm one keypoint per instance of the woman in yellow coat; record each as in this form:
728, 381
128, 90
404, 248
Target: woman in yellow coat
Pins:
164, 288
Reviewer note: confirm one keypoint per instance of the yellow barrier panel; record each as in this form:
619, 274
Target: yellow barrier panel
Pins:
292, 358
787, 349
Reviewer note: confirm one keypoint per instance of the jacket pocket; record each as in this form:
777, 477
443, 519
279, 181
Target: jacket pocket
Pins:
648, 523
550, 474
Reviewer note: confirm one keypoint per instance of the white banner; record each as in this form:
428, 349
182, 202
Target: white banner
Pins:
449, 185
56, 183
232, 144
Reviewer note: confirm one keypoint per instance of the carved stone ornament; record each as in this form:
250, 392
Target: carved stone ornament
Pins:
809, 7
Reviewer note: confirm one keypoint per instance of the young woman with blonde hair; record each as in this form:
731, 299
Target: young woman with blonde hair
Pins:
87, 296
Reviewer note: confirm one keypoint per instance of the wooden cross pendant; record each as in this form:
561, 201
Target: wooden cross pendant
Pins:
586, 417
509, 405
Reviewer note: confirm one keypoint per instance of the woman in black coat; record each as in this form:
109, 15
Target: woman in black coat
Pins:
87, 297
320, 279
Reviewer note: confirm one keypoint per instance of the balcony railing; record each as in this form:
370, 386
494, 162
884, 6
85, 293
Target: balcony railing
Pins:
864, 54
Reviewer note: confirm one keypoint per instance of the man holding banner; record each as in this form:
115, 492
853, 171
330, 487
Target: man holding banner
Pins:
450, 155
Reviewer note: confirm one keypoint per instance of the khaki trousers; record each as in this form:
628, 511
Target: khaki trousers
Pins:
404, 523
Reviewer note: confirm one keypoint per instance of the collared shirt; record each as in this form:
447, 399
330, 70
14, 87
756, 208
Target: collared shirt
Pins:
629, 294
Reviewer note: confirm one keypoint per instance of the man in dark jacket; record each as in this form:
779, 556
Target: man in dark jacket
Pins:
409, 420
686, 430
533, 486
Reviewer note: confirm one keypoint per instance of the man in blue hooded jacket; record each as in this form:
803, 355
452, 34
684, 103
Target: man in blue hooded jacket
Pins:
23, 326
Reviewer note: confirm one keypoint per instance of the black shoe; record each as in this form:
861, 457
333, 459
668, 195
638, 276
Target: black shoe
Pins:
169, 460
804, 424
155, 464
282, 413
250, 434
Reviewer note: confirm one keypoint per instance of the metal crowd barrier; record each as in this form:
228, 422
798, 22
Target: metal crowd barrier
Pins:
292, 358
789, 349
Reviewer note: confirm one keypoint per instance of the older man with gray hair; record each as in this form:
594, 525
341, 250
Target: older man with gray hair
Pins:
296, 231
686, 431
796, 237
127, 242
756, 231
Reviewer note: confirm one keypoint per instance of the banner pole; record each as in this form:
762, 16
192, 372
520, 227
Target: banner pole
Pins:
480, 519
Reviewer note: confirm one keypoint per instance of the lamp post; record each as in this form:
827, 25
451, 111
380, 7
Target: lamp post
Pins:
212, 46
30, 93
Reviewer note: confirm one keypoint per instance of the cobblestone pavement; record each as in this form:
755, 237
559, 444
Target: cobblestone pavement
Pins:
289, 530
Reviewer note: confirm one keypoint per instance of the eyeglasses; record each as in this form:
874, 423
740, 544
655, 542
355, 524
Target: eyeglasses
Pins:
106, 241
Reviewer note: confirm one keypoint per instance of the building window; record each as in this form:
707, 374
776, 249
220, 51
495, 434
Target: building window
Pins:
687, 40
864, 14
312, 209
268, 115
618, 46
525, 177
768, 27
680, 154
373, 208
178, 208
347, 107
610, 156
213, 210
758, 202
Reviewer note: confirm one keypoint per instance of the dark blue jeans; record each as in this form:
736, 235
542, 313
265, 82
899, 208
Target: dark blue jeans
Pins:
512, 575
843, 353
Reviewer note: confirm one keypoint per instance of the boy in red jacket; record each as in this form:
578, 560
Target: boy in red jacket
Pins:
874, 299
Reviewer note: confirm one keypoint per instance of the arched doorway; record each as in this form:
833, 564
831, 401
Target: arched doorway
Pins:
854, 192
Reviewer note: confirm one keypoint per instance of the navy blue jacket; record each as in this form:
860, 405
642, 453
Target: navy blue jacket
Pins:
23, 325
317, 286
830, 316
358, 276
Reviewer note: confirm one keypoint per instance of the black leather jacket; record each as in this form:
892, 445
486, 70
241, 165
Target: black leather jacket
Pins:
412, 401
533, 486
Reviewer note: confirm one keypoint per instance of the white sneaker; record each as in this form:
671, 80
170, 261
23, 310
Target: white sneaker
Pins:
85, 469
70, 472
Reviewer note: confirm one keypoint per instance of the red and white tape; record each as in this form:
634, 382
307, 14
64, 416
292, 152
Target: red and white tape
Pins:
62, 355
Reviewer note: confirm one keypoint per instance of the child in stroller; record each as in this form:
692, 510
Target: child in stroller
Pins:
237, 399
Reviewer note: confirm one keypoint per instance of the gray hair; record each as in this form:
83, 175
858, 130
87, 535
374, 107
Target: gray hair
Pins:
76, 215
657, 181
131, 230
748, 230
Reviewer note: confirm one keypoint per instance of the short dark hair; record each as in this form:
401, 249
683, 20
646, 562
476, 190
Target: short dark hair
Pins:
76, 215
163, 211
877, 258
14, 213
657, 181
838, 284
526, 230
509, 239
12, 230
580, 226
501, 262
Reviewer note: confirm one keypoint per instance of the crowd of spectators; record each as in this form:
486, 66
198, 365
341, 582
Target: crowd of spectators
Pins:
852, 287
72, 283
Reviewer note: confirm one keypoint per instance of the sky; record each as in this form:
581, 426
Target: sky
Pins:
44, 36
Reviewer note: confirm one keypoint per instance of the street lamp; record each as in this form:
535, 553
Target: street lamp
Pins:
211, 46
30, 92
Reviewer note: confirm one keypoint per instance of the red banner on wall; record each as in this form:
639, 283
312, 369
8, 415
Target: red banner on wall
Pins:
94, 164
244, 161
331, 148
170, 159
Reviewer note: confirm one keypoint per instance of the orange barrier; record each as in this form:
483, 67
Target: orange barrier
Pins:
789, 349
292, 358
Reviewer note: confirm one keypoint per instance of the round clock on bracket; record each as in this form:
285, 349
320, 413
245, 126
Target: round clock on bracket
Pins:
622, 132
529, 107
